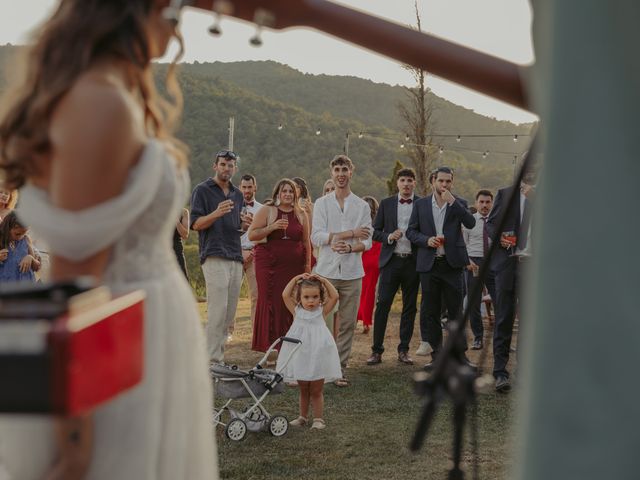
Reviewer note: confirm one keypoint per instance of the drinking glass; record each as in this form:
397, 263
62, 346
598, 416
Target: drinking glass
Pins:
510, 236
286, 217
243, 212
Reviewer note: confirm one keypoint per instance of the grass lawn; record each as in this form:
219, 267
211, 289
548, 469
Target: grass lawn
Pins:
369, 424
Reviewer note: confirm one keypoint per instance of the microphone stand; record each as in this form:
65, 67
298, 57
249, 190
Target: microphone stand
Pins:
451, 375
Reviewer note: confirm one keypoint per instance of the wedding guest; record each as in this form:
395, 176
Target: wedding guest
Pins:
281, 234
18, 260
180, 234
342, 230
8, 200
328, 187
397, 267
435, 230
216, 206
249, 188
370, 259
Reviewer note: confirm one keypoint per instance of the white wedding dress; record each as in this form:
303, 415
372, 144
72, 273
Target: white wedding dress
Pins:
162, 428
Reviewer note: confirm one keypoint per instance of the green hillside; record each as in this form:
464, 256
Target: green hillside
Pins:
262, 95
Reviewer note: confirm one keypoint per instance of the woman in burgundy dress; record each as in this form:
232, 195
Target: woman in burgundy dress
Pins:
371, 272
283, 250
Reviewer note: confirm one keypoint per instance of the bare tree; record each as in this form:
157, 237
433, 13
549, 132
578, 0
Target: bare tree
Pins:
416, 112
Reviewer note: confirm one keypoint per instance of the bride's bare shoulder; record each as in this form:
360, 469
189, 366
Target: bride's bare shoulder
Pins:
96, 137
95, 111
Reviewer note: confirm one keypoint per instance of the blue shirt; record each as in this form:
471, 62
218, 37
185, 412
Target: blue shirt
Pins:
10, 268
222, 238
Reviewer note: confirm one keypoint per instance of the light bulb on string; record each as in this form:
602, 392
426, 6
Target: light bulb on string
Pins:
360, 135
280, 127
458, 139
406, 137
485, 154
318, 132
402, 145
441, 150
515, 138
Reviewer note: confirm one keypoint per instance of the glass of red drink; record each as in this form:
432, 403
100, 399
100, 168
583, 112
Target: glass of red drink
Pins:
511, 238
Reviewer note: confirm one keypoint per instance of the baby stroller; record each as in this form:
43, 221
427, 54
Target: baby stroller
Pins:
231, 383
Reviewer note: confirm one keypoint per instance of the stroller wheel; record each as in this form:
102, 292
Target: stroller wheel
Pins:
278, 425
236, 430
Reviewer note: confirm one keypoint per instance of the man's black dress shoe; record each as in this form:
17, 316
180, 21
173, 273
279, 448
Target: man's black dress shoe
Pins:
403, 357
374, 359
503, 385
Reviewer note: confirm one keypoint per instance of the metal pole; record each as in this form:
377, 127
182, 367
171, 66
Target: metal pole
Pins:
346, 144
231, 129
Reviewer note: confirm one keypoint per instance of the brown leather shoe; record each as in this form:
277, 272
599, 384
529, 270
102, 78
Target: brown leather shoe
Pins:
374, 359
403, 357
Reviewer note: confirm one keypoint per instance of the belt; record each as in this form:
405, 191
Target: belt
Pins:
402, 255
441, 257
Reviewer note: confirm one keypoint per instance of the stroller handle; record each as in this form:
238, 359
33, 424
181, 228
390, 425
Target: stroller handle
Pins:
272, 348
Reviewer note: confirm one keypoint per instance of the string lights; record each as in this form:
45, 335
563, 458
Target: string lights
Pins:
392, 138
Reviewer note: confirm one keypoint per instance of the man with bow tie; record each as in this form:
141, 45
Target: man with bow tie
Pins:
435, 228
397, 267
249, 187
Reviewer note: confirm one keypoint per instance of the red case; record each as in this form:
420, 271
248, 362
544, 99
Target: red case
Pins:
97, 354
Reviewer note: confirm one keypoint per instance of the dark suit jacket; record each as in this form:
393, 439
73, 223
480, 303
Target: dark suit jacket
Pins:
422, 226
385, 223
500, 259
501, 256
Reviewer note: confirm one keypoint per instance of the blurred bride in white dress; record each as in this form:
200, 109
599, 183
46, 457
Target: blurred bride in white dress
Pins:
86, 137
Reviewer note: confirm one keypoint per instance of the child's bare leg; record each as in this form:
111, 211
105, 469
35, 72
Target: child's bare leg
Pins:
317, 397
304, 397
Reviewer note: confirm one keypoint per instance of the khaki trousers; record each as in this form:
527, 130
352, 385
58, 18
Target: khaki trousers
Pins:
223, 278
349, 301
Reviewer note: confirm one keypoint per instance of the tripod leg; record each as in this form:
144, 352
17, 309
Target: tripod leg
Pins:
459, 413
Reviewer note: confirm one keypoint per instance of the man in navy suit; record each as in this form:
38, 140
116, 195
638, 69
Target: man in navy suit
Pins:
397, 266
435, 228
507, 263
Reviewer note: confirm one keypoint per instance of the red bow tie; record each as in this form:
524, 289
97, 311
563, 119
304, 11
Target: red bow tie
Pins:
408, 200
248, 204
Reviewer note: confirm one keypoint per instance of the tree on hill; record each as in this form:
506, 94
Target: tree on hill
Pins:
392, 184
417, 114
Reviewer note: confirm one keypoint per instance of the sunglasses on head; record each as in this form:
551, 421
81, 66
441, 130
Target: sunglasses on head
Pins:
226, 154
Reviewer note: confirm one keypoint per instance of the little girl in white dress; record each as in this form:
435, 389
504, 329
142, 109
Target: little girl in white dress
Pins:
309, 298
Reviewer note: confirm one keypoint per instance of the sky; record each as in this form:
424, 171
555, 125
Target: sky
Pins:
499, 27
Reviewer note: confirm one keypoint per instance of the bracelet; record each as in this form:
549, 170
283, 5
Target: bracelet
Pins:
353, 234
350, 249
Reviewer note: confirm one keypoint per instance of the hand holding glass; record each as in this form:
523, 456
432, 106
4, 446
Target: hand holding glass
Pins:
285, 217
510, 238
243, 214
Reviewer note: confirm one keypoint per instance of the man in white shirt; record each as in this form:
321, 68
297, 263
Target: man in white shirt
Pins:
249, 187
478, 241
342, 231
